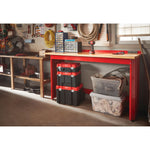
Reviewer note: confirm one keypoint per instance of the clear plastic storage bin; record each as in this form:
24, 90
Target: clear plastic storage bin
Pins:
108, 104
108, 86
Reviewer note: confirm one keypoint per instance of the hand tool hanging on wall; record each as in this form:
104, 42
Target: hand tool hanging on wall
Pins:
71, 27
9, 46
48, 25
74, 26
107, 32
100, 30
147, 75
29, 29
90, 37
33, 33
37, 31
65, 25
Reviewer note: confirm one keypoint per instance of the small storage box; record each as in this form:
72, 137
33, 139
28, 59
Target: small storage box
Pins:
72, 79
72, 46
108, 86
68, 67
60, 41
69, 95
108, 104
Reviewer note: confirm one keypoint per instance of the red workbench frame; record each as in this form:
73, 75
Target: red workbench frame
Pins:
134, 76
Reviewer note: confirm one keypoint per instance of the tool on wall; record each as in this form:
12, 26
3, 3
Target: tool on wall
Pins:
42, 30
74, 26
65, 25
147, 75
71, 27
37, 31
14, 45
107, 32
29, 29
3, 38
33, 33
100, 30
9, 46
6, 36
48, 25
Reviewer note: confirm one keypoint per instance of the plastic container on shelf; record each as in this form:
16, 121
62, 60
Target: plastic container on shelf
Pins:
108, 104
110, 85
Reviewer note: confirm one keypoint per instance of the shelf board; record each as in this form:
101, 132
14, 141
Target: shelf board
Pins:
26, 57
27, 78
4, 74
32, 79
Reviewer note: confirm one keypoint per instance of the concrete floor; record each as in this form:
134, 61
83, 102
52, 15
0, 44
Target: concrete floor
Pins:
20, 108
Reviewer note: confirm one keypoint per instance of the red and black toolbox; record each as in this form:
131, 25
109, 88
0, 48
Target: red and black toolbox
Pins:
68, 67
69, 95
69, 89
72, 79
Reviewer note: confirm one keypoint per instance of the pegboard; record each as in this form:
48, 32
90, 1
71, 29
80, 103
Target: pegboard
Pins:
39, 41
103, 39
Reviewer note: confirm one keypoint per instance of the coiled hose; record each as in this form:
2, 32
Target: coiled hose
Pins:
91, 36
49, 41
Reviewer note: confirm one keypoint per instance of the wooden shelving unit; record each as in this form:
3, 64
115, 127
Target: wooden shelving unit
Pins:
41, 79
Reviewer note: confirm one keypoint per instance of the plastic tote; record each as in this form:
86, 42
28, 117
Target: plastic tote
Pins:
108, 104
109, 84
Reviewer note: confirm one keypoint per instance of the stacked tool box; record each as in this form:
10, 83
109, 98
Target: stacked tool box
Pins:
69, 87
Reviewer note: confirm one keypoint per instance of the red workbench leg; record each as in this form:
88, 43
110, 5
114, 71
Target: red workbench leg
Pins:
53, 72
53, 78
134, 89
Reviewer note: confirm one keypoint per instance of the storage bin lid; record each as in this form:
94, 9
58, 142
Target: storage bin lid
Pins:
68, 65
92, 94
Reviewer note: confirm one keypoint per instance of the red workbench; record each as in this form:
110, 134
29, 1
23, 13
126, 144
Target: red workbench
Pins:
102, 57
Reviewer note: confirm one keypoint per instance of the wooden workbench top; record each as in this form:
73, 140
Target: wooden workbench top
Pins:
100, 55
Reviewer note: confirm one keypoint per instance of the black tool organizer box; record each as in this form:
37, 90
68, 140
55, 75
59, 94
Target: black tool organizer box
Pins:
68, 67
69, 95
72, 79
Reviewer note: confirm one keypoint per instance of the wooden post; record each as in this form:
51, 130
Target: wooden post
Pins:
24, 65
41, 78
12, 72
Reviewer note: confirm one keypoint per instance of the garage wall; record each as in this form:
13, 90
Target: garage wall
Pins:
39, 41
89, 69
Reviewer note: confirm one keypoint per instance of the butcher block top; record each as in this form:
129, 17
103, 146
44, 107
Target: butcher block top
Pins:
100, 55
